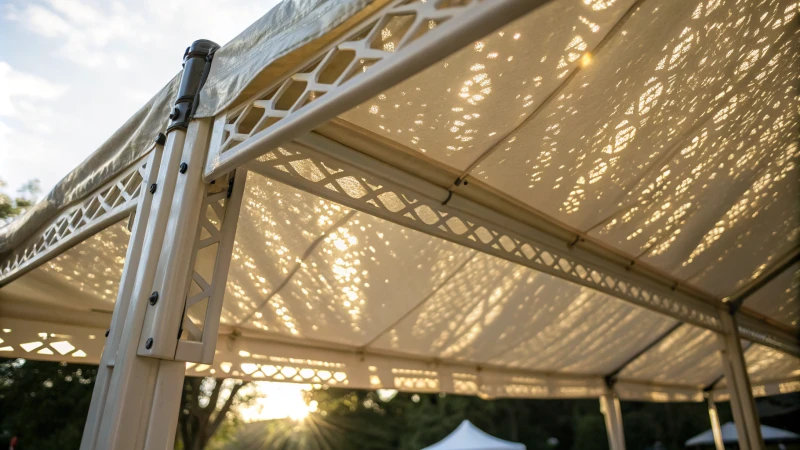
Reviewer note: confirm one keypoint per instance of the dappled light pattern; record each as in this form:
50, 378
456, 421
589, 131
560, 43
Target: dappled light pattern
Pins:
312, 268
688, 356
276, 228
780, 298
85, 276
766, 364
462, 106
499, 312
676, 143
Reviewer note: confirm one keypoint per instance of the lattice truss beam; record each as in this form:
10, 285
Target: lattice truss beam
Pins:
107, 205
401, 39
330, 170
395, 199
250, 358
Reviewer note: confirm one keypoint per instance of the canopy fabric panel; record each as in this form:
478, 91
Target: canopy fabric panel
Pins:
780, 298
86, 277
688, 356
645, 146
500, 313
457, 109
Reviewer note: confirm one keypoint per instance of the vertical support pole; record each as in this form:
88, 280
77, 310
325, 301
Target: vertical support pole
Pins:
716, 429
132, 259
142, 394
610, 407
743, 405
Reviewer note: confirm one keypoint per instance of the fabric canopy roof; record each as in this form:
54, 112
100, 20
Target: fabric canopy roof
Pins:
624, 123
469, 437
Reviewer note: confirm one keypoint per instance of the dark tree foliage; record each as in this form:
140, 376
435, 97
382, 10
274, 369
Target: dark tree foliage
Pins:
44, 404
205, 404
12, 207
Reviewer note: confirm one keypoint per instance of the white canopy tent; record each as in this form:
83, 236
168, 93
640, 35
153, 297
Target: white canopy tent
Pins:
729, 436
469, 437
520, 198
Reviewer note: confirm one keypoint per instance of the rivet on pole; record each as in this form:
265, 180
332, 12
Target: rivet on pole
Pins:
183, 167
153, 188
154, 298
108, 331
161, 139
148, 344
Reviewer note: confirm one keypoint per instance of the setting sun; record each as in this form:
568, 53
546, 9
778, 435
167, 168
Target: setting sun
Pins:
276, 401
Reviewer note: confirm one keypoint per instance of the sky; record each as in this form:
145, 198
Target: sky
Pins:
73, 71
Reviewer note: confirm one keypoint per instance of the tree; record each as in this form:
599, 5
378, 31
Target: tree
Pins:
12, 207
205, 407
43, 403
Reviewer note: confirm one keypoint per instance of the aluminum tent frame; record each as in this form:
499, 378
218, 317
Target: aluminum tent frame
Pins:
167, 317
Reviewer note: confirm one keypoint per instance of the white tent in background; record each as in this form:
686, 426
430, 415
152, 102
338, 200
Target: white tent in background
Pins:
729, 436
469, 437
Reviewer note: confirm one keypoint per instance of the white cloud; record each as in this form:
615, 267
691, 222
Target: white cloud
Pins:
86, 32
16, 87
113, 55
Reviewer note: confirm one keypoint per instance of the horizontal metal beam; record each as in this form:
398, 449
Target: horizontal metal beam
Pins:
330, 170
285, 116
272, 357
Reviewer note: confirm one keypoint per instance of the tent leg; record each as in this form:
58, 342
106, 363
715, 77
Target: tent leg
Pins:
132, 259
136, 400
713, 415
742, 402
610, 407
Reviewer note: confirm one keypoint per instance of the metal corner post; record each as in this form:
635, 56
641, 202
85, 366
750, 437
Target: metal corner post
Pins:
136, 398
612, 412
713, 416
743, 405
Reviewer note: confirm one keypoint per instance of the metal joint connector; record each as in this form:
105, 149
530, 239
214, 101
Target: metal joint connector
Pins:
196, 63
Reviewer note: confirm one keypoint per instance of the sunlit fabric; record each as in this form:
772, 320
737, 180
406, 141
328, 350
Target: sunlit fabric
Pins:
84, 278
666, 131
678, 149
688, 356
780, 298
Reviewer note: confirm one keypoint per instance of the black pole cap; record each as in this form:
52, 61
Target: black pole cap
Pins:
196, 65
